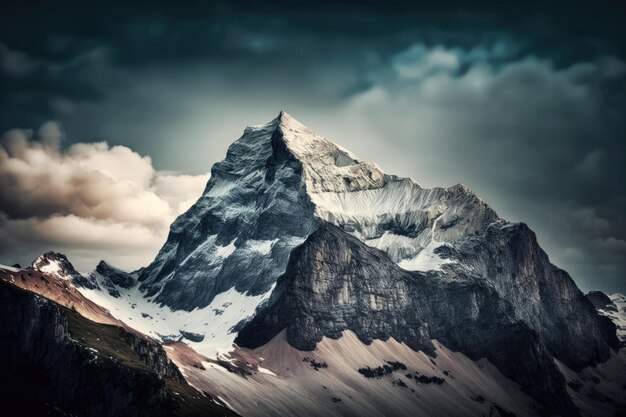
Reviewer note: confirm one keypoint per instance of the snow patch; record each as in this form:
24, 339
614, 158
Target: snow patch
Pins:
9, 268
265, 371
155, 320
226, 251
262, 247
50, 268
426, 260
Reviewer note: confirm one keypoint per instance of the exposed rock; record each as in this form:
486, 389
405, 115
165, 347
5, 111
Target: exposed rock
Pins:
601, 301
542, 295
240, 232
335, 282
43, 369
115, 276
194, 337
170, 338
57, 264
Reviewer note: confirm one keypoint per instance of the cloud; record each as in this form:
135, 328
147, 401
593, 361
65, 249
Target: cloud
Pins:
540, 142
90, 198
15, 63
517, 102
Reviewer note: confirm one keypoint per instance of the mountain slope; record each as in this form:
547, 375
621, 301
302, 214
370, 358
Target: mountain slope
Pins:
281, 180
294, 235
334, 282
55, 362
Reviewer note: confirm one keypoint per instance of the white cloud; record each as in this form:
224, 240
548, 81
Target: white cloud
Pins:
92, 199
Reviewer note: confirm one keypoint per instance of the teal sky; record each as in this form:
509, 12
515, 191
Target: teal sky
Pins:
522, 103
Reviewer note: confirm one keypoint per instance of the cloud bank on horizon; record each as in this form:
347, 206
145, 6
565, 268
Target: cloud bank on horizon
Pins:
89, 200
522, 103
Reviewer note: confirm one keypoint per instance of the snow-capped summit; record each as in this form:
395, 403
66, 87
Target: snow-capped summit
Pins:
279, 183
296, 241
56, 264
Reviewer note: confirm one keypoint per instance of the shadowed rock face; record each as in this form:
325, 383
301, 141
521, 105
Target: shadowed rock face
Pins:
542, 295
117, 277
240, 232
335, 282
111, 279
45, 371
42, 364
601, 300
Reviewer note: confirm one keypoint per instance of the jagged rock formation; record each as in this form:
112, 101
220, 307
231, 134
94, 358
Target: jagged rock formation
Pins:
48, 368
334, 282
57, 264
111, 278
601, 301
252, 213
105, 276
542, 295
382, 257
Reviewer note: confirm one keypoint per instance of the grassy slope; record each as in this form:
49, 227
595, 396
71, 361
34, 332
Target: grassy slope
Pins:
108, 341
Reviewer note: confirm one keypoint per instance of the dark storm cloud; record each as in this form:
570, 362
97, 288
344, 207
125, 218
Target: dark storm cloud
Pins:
523, 103
540, 143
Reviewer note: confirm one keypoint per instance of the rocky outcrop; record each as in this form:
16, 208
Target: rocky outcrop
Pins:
240, 232
542, 295
115, 276
45, 371
57, 264
334, 282
112, 279
601, 301
194, 337
153, 355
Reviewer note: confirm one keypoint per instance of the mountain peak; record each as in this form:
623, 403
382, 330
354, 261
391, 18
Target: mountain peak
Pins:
55, 263
284, 117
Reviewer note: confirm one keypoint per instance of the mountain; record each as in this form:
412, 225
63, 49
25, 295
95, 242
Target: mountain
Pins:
303, 272
56, 362
334, 282
280, 181
57, 264
612, 306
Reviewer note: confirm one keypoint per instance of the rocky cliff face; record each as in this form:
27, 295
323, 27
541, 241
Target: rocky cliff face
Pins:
48, 368
601, 301
252, 213
383, 257
613, 307
334, 282
111, 279
541, 294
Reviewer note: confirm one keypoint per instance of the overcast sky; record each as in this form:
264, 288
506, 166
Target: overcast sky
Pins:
114, 114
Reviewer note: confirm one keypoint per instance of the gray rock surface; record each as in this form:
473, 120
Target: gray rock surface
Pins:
240, 232
542, 295
43, 371
601, 300
335, 282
